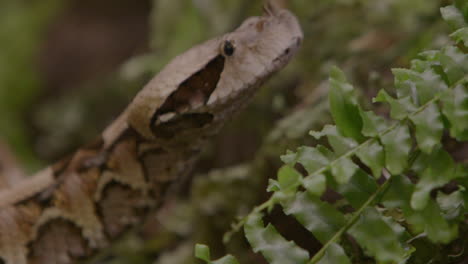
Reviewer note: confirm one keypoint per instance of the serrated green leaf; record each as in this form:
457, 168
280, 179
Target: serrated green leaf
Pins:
337, 74
288, 179
430, 220
289, 158
202, 252
358, 190
430, 55
399, 109
273, 186
397, 145
372, 124
405, 83
461, 35
429, 127
372, 155
343, 170
343, 106
399, 192
319, 217
452, 205
419, 86
267, 240
453, 16
398, 229
454, 63
330, 155
440, 170
455, 108
315, 184
422, 65
339, 143
311, 158
334, 254
371, 228
430, 85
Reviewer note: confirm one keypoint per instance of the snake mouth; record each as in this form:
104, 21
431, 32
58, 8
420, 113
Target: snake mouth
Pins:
183, 122
191, 93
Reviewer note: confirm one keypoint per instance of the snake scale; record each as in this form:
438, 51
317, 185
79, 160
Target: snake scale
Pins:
72, 209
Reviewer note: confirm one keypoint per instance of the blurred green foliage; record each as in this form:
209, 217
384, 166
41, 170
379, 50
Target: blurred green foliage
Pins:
22, 28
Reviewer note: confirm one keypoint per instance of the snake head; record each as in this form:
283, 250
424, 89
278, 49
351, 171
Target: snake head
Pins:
258, 48
218, 74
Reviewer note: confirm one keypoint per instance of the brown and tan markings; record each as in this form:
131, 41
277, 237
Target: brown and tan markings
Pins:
70, 210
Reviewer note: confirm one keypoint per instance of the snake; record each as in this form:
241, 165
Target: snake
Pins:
78, 206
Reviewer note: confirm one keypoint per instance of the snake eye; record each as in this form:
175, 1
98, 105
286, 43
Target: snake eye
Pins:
228, 48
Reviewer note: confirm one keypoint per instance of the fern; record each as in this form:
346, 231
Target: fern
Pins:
389, 172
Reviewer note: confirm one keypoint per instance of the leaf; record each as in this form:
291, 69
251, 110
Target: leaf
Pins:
289, 179
398, 229
440, 170
427, 59
456, 110
334, 254
372, 124
461, 35
405, 83
340, 144
311, 158
429, 220
430, 85
372, 155
343, 169
271, 244
397, 145
454, 63
330, 155
453, 16
319, 217
429, 127
273, 186
343, 106
358, 190
398, 193
202, 252
377, 237
399, 109
289, 158
419, 86
452, 204
286, 186
315, 184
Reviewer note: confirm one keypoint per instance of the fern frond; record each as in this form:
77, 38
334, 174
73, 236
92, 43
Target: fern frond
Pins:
370, 163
